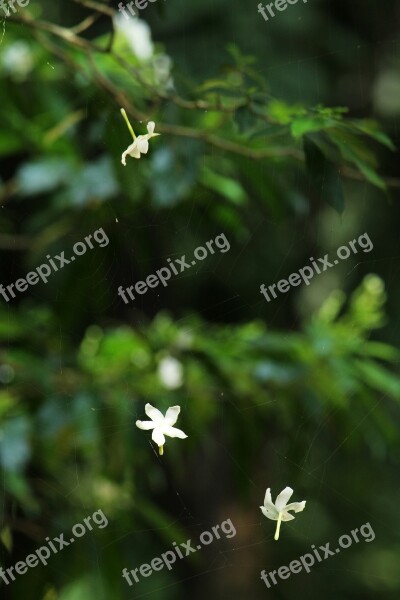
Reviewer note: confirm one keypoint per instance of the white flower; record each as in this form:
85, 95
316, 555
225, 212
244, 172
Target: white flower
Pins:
137, 34
140, 144
280, 510
170, 372
17, 60
161, 425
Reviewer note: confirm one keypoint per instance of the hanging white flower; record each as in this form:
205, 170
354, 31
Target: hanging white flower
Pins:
161, 426
280, 510
140, 143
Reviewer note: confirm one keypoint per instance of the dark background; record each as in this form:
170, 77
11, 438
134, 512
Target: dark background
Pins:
302, 391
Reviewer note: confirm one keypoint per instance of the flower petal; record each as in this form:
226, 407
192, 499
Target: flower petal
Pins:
286, 516
174, 432
268, 501
158, 437
267, 512
124, 155
153, 413
150, 127
296, 506
283, 498
135, 152
142, 144
146, 425
171, 415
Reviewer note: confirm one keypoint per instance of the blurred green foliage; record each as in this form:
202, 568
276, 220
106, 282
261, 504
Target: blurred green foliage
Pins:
303, 391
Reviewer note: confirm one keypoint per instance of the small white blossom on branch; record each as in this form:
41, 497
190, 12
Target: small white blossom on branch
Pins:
140, 143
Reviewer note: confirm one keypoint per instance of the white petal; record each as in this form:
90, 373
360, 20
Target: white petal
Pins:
135, 152
268, 501
142, 144
283, 498
171, 416
296, 506
287, 517
132, 151
150, 127
174, 432
158, 437
153, 413
145, 424
273, 515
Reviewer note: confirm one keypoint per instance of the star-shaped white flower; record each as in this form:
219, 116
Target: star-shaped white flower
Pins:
280, 510
161, 425
140, 144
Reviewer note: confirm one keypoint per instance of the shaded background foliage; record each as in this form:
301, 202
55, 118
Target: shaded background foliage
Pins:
303, 391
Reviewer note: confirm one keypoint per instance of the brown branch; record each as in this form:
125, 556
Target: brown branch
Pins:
180, 131
66, 35
86, 23
71, 37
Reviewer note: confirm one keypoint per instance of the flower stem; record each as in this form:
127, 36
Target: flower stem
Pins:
123, 113
278, 527
161, 450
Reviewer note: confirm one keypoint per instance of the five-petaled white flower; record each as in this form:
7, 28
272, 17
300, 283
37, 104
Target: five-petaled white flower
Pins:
161, 425
140, 143
280, 510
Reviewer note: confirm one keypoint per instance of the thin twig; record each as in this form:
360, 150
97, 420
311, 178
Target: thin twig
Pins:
101, 8
70, 37
86, 23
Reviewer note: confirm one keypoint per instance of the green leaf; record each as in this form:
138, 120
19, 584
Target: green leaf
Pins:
379, 378
284, 113
6, 538
371, 128
354, 151
305, 125
226, 187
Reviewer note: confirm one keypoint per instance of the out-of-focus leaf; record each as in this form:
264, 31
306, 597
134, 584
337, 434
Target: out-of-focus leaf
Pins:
225, 186
302, 126
96, 181
379, 378
355, 151
371, 128
43, 176
174, 171
15, 448
6, 538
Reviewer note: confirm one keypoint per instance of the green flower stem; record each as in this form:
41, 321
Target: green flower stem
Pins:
123, 113
278, 527
161, 450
